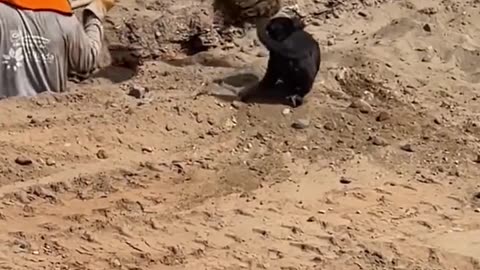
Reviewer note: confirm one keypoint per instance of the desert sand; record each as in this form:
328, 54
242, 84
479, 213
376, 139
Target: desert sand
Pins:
142, 168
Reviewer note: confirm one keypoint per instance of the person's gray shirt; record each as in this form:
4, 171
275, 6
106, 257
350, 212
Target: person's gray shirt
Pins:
39, 49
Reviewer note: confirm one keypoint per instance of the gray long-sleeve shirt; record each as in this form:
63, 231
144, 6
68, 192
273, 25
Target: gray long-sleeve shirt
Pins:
39, 49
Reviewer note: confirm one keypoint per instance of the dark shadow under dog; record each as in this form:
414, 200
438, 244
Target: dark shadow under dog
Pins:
245, 87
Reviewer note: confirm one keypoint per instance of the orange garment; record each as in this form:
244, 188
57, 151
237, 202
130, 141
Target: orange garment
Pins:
61, 6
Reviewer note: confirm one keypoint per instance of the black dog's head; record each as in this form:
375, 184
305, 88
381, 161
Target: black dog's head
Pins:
280, 28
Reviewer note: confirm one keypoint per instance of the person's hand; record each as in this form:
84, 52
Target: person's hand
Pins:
100, 8
108, 4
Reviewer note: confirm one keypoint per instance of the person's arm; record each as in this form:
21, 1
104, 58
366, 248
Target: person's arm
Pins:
85, 43
84, 46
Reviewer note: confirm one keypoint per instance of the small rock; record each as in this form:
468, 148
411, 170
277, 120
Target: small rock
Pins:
169, 127
137, 91
330, 42
345, 180
379, 141
383, 116
477, 160
301, 123
43, 192
407, 147
361, 105
330, 126
22, 196
116, 263
477, 210
312, 219
363, 14
429, 10
102, 154
23, 160
286, 111
262, 54
50, 162
323, 212
147, 149
236, 104
427, 28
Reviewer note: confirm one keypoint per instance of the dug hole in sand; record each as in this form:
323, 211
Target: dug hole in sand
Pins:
140, 168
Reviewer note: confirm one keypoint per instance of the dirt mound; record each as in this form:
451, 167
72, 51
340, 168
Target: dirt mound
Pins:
140, 167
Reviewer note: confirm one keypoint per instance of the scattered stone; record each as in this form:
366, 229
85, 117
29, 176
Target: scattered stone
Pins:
43, 192
379, 141
116, 263
23, 160
169, 127
363, 14
137, 91
301, 123
50, 162
236, 104
102, 154
429, 54
345, 180
330, 126
383, 116
22, 196
407, 148
286, 111
147, 149
341, 74
262, 54
427, 28
361, 105
429, 10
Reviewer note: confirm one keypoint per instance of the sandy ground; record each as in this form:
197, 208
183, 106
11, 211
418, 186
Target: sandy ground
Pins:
378, 170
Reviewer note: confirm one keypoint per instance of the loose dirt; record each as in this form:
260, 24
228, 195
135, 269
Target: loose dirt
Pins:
141, 168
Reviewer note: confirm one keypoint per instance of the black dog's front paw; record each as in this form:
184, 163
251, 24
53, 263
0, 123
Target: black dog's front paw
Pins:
295, 100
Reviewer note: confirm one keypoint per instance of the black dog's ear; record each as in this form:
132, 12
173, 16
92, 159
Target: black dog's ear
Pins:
298, 23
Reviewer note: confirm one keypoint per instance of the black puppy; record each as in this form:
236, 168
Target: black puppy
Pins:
294, 59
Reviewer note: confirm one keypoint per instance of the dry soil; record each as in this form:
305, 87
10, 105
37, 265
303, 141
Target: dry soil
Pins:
141, 168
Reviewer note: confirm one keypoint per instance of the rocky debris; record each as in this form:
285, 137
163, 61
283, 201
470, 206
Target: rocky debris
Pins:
50, 162
102, 154
147, 149
383, 116
361, 105
137, 91
379, 141
427, 27
236, 104
330, 126
301, 123
23, 160
346, 180
286, 111
407, 148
